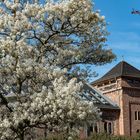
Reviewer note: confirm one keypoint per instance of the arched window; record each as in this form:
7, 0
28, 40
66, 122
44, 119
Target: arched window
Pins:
137, 115
89, 130
105, 127
95, 129
109, 128
138, 131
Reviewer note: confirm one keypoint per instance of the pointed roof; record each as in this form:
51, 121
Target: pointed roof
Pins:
120, 70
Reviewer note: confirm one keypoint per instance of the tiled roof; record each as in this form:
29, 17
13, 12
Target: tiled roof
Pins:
120, 70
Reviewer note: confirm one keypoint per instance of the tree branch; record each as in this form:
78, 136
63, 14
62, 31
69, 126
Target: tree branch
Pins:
4, 100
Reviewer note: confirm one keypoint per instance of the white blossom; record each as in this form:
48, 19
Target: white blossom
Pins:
41, 47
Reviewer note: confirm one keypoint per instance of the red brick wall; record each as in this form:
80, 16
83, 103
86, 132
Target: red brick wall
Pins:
110, 115
128, 99
131, 103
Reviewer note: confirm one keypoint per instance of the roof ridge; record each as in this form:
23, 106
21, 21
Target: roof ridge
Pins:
122, 69
122, 64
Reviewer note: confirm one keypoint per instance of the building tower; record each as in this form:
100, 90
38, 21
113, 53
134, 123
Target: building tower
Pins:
122, 85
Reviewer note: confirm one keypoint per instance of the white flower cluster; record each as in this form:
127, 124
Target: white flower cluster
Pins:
57, 108
39, 45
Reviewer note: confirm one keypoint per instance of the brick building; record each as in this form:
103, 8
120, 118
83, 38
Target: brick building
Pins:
117, 94
122, 86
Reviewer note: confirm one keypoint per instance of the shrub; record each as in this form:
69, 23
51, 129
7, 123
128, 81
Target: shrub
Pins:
102, 136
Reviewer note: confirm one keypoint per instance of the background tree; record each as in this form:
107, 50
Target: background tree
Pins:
42, 45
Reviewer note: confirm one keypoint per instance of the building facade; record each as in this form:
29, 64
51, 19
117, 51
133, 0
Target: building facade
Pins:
122, 86
117, 94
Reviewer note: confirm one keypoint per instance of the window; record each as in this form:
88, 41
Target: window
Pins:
129, 81
137, 115
106, 83
95, 129
108, 127
137, 131
113, 81
90, 130
136, 81
99, 85
105, 126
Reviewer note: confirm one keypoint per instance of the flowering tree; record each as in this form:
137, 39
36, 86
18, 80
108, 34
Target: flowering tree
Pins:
43, 45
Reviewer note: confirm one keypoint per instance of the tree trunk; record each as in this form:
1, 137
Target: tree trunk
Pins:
45, 132
22, 136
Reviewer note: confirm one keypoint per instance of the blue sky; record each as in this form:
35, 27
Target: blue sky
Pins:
124, 29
